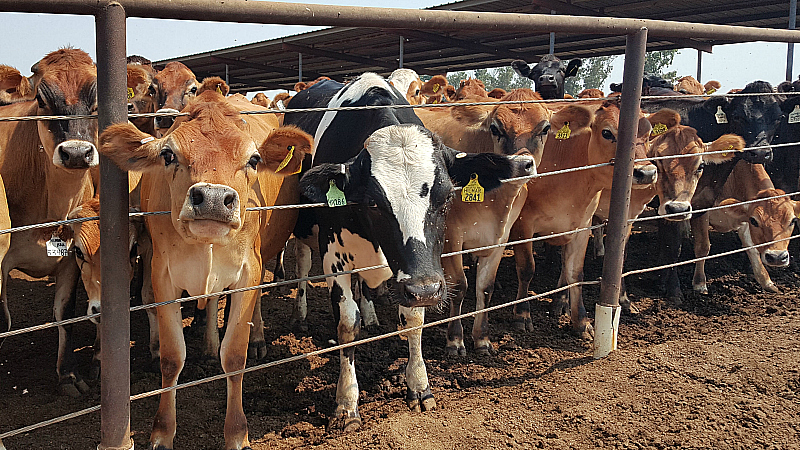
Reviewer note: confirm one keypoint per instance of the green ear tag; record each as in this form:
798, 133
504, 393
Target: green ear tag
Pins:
335, 196
564, 132
659, 129
473, 191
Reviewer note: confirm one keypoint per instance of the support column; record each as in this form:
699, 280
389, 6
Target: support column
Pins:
299, 67
552, 38
699, 65
790, 49
402, 42
115, 386
607, 309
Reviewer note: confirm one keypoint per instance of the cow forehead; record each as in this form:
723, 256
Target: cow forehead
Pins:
70, 83
402, 162
222, 145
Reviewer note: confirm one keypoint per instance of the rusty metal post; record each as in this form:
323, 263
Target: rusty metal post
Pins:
607, 309
115, 388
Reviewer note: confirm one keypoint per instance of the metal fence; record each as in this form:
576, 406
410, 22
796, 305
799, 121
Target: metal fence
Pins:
110, 26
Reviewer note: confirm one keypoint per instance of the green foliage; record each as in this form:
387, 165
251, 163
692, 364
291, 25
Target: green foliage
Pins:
592, 74
498, 77
657, 62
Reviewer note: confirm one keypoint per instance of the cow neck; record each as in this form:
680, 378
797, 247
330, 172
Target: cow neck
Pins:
746, 181
37, 190
711, 183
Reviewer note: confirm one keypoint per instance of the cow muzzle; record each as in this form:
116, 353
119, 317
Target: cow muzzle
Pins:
165, 122
422, 294
758, 155
776, 258
75, 154
94, 308
676, 207
645, 175
212, 210
524, 164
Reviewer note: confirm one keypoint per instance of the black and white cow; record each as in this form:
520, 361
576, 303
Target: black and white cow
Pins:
548, 74
401, 178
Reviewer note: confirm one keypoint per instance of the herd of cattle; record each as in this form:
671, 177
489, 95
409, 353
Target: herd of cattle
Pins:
398, 170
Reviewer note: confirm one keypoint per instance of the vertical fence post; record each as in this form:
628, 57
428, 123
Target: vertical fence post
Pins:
115, 386
607, 309
790, 47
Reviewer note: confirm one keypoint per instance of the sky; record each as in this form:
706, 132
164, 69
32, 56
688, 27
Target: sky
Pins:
732, 65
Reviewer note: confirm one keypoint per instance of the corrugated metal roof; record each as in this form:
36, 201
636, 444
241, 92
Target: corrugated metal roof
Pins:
341, 52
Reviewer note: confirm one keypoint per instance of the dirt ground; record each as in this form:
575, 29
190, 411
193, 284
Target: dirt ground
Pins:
719, 371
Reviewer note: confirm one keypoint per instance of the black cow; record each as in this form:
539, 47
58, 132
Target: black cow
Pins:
401, 178
754, 118
548, 74
784, 169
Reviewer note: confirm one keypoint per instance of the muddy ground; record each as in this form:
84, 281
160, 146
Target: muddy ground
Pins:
719, 371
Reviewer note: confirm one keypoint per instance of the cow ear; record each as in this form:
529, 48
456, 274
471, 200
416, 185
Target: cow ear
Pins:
710, 105
730, 142
644, 129
490, 168
521, 68
348, 178
284, 150
740, 213
796, 206
12, 79
574, 116
434, 86
572, 68
129, 148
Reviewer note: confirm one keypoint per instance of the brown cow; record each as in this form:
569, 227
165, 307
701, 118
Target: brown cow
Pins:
756, 223
437, 90
176, 85
206, 171
142, 96
5, 241
471, 87
13, 86
409, 84
689, 85
302, 85
591, 93
46, 167
502, 129
261, 99
579, 136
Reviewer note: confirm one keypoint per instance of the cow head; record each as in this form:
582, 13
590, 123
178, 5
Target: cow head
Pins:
471, 88
519, 127
141, 95
768, 221
756, 119
176, 85
209, 162
548, 74
403, 182
409, 84
437, 90
13, 86
678, 177
261, 99
86, 247
65, 83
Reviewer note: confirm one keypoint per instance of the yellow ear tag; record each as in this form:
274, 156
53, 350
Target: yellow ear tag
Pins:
564, 132
658, 129
335, 196
130, 93
436, 87
286, 159
711, 91
473, 191
219, 89
794, 116
730, 147
720, 115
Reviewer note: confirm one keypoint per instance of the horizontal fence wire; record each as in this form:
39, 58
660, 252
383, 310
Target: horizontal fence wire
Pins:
713, 208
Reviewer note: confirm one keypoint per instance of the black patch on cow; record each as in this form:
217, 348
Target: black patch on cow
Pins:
301, 292
424, 190
333, 268
403, 320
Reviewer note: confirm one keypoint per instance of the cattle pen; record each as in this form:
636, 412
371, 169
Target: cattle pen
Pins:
115, 393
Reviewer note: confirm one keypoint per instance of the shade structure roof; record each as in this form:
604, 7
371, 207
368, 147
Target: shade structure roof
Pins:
343, 52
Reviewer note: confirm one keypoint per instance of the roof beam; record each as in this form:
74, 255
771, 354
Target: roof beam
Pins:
350, 58
264, 67
474, 47
567, 8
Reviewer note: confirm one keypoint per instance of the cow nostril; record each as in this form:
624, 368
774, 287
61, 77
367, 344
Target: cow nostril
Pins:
63, 155
130, 107
89, 154
229, 200
197, 197
95, 310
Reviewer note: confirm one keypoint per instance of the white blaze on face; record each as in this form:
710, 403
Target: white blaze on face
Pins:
402, 79
402, 162
351, 92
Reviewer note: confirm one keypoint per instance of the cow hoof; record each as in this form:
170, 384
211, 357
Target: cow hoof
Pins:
347, 421
298, 326
770, 287
701, 289
257, 350
157, 447
518, 324
628, 307
73, 386
560, 307
453, 350
487, 350
584, 331
420, 401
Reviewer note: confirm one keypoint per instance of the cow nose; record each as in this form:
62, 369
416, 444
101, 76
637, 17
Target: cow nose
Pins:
546, 78
678, 208
422, 294
75, 154
213, 201
94, 308
645, 174
776, 258
165, 121
130, 107
525, 164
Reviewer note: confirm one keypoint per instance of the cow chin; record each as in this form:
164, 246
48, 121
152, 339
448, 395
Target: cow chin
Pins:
209, 231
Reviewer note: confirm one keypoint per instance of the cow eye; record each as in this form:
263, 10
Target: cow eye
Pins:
168, 155
40, 101
495, 130
254, 160
151, 91
79, 254
193, 90
753, 222
609, 136
701, 167
545, 130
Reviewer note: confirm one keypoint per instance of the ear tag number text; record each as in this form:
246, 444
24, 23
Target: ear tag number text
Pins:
564, 132
659, 129
335, 196
56, 247
794, 116
473, 191
720, 115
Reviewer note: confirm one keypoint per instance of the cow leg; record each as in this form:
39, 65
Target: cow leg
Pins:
759, 271
670, 239
419, 396
702, 246
523, 255
148, 298
599, 244
484, 287
67, 274
4, 294
173, 354
279, 274
346, 415
457, 281
233, 355
211, 334
627, 306
302, 254
94, 369
368, 315
574, 254
257, 347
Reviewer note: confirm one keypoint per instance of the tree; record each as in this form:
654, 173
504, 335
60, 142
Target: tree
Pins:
497, 77
592, 74
657, 62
